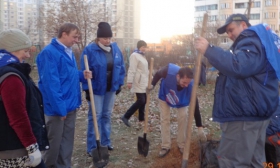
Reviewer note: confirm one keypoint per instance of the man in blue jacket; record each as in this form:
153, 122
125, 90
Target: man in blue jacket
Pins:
246, 93
175, 91
59, 83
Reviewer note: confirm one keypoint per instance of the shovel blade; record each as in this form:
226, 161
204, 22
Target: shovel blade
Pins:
143, 146
100, 156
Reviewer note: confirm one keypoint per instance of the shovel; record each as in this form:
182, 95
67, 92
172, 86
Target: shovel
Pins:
193, 98
143, 143
100, 154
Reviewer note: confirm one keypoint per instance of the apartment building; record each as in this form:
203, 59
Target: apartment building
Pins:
1, 15
21, 14
127, 16
261, 11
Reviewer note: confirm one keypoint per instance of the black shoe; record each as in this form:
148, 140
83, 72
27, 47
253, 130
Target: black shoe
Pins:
89, 154
125, 121
110, 148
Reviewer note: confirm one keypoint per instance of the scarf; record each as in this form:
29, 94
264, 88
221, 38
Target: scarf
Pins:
139, 52
7, 58
106, 48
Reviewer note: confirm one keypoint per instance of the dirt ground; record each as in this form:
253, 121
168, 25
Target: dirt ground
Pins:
124, 139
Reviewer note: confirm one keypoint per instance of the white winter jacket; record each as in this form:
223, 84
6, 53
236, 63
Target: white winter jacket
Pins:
138, 73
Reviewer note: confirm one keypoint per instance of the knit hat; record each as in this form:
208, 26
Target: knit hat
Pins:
14, 40
141, 43
231, 18
104, 30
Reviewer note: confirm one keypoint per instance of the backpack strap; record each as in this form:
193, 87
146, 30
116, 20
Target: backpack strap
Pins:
3, 77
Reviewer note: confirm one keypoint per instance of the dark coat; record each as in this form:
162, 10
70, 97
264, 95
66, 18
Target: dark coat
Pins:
247, 86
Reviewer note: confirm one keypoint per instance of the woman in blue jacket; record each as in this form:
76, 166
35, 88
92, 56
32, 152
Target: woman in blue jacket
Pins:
108, 72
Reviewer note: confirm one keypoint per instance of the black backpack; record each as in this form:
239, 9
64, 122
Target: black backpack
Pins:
208, 154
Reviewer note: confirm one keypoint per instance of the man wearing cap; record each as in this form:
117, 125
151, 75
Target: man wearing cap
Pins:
59, 83
246, 93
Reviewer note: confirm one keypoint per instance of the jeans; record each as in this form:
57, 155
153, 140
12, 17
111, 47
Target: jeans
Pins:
103, 106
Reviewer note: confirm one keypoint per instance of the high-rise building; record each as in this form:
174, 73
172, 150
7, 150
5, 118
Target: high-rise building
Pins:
127, 15
20, 14
261, 11
1, 15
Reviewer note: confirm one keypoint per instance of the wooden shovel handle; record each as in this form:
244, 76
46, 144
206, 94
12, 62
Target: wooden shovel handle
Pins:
92, 101
193, 95
147, 108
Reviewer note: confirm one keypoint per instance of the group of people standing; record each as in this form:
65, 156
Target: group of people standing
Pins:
39, 124
43, 120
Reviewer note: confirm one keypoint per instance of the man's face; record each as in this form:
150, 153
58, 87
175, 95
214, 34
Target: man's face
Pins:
183, 82
70, 39
234, 29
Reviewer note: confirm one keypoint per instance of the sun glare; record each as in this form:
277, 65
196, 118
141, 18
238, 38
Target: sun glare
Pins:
165, 18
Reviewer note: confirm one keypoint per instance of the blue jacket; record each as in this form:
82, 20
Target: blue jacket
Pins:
168, 89
58, 80
247, 86
98, 65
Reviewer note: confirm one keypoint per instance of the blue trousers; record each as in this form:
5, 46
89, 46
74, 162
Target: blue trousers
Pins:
103, 106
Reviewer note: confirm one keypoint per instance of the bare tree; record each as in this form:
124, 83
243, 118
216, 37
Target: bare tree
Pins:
86, 14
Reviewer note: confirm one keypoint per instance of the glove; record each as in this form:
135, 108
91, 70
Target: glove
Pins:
201, 134
148, 90
119, 90
34, 154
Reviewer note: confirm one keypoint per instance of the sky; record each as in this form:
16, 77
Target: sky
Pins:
164, 18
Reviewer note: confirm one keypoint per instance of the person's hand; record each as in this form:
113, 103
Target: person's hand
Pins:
201, 134
87, 74
34, 155
63, 118
148, 90
201, 45
129, 85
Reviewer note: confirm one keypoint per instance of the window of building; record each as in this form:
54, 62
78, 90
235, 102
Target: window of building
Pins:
266, 15
206, 7
224, 17
198, 19
256, 4
270, 2
241, 5
255, 16
273, 14
224, 5
212, 18
272, 26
